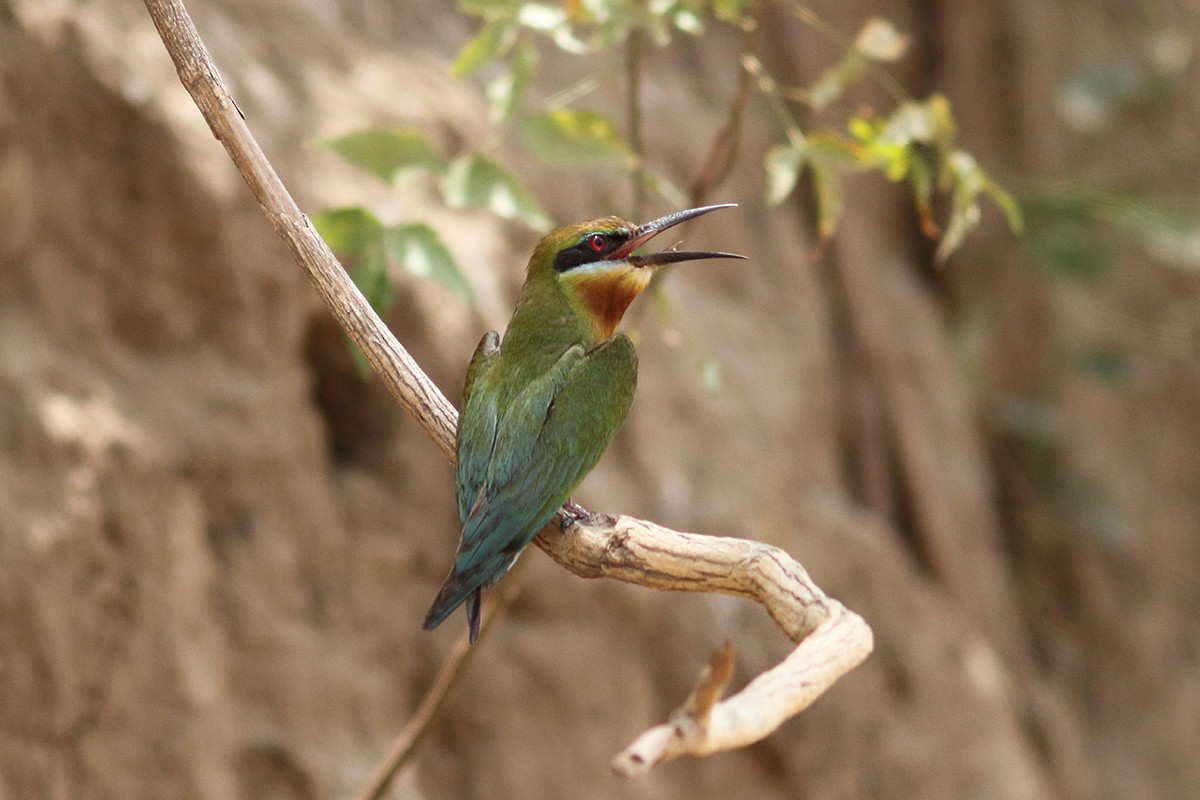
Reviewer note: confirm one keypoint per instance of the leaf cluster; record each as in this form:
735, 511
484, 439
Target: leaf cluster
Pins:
467, 182
913, 143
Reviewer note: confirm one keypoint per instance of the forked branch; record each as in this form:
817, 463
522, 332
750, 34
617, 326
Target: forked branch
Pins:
831, 640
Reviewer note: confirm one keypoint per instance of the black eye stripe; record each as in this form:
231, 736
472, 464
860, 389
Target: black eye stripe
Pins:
583, 253
573, 257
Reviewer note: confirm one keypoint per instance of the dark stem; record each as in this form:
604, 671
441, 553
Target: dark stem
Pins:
723, 152
634, 52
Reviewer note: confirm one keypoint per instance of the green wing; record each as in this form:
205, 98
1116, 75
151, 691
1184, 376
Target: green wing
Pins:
545, 442
476, 433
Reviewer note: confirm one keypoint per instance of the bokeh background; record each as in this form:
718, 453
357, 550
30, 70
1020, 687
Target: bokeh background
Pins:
217, 542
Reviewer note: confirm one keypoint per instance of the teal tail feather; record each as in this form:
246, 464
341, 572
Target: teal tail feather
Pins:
453, 594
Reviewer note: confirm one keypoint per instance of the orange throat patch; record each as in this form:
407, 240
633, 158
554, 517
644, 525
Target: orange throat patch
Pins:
605, 294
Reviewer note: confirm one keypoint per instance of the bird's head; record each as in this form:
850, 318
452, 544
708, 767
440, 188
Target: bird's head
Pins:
595, 264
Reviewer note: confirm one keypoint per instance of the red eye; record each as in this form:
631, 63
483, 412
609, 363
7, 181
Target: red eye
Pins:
597, 241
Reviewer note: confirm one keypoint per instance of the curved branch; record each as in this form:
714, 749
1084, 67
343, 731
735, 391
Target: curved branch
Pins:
831, 639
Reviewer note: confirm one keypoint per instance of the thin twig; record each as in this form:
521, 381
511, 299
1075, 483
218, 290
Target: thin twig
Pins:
634, 54
832, 640
405, 744
723, 152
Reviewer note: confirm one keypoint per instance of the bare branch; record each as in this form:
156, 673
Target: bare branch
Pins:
831, 639
395, 367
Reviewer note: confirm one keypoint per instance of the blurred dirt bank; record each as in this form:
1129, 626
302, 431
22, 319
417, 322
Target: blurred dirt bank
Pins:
217, 543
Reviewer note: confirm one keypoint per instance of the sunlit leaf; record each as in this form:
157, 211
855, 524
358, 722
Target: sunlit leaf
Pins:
1006, 203
418, 248
384, 152
941, 120
783, 164
827, 156
504, 92
834, 151
577, 138
964, 207
889, 154
493, 41
711, 379
911, 122
541, 16
689, 21
489, 8
962, 220
349, 230
834, 81
473, 181
565, 39
730, 10
880, 41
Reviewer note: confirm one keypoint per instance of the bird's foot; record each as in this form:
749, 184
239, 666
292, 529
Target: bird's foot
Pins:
572, 513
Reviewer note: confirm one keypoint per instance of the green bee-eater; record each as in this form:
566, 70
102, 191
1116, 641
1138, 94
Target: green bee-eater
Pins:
541, 405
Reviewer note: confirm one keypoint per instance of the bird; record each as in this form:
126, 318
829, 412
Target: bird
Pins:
541, 405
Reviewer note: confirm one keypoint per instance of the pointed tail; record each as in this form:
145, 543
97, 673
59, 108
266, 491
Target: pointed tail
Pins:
453, 594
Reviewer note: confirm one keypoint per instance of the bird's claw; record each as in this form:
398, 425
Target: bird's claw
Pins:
572, 513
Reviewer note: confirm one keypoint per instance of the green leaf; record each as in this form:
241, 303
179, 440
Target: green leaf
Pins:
1006, 203
419, 249
834, 81
829, 156
834, 151
941, 119
689, 21
385, 151
371, 278
492, 9
350, 230
877, 150
711, 379
472, 181
730, 10
783, 164
506, 89
831, 197
964, 208
567, 137
962, 220
493, 41
911, 122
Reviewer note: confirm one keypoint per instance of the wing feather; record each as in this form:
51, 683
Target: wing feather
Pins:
547, 440
477, 423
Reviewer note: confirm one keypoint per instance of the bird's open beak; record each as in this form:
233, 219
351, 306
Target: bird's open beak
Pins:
651, 229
